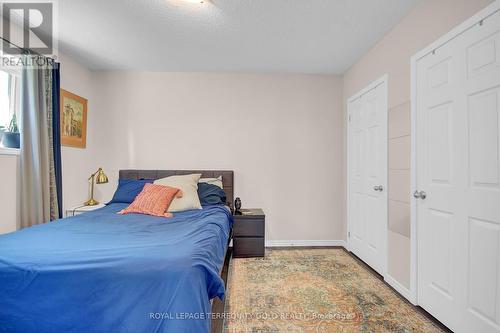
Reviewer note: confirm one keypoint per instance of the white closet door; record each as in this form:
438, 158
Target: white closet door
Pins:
458, 168
368, 176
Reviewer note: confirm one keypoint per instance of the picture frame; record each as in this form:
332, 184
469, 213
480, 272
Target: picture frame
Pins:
73, 120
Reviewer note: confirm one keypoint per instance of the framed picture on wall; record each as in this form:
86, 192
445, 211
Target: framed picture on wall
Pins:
73, 120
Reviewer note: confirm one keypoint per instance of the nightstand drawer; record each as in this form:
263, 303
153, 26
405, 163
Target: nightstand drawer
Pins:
249, 227
244, 247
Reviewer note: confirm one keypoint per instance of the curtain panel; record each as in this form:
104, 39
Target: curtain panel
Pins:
56, 135
41, 187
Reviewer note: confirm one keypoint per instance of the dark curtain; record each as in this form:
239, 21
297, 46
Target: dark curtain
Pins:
56, 133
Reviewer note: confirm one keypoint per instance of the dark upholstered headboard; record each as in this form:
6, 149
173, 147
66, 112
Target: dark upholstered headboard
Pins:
227, 177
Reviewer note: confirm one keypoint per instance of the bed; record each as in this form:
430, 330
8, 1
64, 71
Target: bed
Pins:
104, 272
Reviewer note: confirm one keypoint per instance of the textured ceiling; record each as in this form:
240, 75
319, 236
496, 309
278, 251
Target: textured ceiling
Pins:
288, 36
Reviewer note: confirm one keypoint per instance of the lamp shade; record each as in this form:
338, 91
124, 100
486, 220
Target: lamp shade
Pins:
101, 177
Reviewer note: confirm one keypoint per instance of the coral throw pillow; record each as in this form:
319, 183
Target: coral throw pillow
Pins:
153, 200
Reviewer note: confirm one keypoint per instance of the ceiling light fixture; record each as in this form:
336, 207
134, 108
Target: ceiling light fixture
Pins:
194, 1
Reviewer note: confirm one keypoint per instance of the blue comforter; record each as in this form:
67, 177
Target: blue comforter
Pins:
104, 272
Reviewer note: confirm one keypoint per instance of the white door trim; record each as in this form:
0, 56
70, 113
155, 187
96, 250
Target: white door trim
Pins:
382, 80
469, 23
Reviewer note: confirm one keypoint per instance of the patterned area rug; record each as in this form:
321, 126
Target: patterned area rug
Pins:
314, 290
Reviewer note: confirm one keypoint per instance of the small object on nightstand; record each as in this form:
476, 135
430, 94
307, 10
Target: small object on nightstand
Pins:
249, 233
82, 209
237, 206
101, 179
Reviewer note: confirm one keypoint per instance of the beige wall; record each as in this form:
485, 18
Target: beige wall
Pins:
427, 22
281, 134
9, 208
78, 163
270, 129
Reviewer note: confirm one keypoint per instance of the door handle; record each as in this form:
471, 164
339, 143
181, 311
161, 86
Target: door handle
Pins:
420, 195
378, 188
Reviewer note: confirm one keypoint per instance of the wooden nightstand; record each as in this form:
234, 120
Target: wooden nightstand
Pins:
82, 209
249, 234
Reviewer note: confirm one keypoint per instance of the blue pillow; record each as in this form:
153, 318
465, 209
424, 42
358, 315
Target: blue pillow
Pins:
211, 194
128, 189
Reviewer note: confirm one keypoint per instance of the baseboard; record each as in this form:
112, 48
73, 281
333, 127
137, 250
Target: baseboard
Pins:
302, 243
405, 292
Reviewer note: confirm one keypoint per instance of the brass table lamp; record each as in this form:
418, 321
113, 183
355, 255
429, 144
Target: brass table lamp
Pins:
100, 179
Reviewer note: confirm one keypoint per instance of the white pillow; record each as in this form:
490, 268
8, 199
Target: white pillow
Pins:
188, 184
214, 181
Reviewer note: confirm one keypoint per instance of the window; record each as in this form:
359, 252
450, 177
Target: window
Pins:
9, 106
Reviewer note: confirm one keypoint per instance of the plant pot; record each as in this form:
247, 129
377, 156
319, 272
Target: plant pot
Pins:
11, 140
